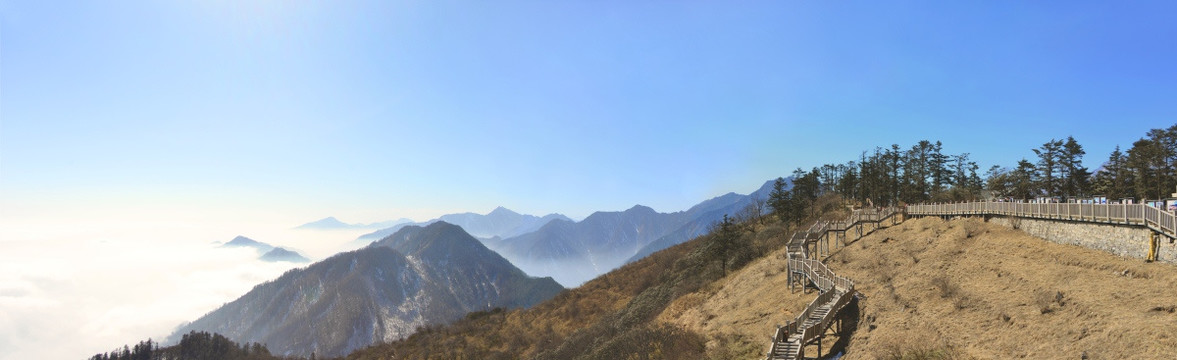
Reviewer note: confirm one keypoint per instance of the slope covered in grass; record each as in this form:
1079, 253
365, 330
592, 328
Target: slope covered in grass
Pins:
614, 316
955, 290
615, 304
978, 290
932, 289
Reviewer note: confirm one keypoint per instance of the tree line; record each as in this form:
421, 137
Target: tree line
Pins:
924, 173
885, 176
193, 346
1147, 171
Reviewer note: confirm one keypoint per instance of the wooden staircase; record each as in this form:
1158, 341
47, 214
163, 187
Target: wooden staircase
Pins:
787, 349
835, 291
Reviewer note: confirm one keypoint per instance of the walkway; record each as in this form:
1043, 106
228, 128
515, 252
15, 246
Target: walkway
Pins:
836, 292
1160, 221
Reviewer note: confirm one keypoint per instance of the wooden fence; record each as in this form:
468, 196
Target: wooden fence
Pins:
1162, 221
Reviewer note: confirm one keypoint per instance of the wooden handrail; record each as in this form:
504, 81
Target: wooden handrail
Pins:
1161, 221
835, 290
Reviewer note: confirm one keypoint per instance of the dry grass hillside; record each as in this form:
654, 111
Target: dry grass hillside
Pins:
611, 317
527, 333
738, 314
606, 318
933, 289
959, 289
977, 290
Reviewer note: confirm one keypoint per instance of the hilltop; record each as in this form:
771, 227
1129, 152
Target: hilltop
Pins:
981, 290
417, 277
957, 289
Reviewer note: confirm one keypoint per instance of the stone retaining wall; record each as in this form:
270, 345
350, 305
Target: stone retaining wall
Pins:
1122, 240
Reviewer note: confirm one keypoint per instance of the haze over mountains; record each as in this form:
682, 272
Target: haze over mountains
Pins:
281, 254
436, 273
331, 223
500, 222
417, 276
575, 252
268, 252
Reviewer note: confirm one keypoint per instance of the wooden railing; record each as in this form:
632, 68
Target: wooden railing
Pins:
831, 285
864, 215
1161, 221
835, 290
821, 275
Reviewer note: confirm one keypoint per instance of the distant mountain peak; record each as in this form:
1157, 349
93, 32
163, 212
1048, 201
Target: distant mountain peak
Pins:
268, 252
502, 211
359, 298
331, 223
641, 208
281, 254
442, 225
500, 222
241, 241
446, 228
437, 238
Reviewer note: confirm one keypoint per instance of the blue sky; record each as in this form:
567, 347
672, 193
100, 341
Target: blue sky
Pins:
369, 111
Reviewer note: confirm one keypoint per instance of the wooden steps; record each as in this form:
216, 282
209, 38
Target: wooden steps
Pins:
835, 291
787, 349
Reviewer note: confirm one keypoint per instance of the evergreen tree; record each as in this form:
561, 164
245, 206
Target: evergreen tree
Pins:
724, 243
1074, 175
999, 182
849, 183
1022, 181
1115, 179
806, 189
1048, 166
938, 169
1146, 161
779, 200
894, 163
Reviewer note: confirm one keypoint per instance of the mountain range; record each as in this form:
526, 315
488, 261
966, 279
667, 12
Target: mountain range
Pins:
331, 223
417, 276
575, 252
500, 222
268, 252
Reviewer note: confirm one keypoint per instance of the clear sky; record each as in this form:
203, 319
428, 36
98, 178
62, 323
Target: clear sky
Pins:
134, 133
378, 110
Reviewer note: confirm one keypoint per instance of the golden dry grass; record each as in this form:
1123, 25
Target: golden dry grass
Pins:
740, 312
957, 289
933, 289
988, 292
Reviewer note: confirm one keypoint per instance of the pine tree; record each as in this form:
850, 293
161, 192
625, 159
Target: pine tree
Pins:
1023, 180
779, 200
1074, 175
1048, 166
724, 242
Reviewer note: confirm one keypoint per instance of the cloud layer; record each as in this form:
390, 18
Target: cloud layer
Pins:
71, 289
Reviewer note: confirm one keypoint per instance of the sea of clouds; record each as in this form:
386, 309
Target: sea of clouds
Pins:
72, 288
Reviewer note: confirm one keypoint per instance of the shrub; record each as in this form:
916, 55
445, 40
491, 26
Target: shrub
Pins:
947, 289
1045, 300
